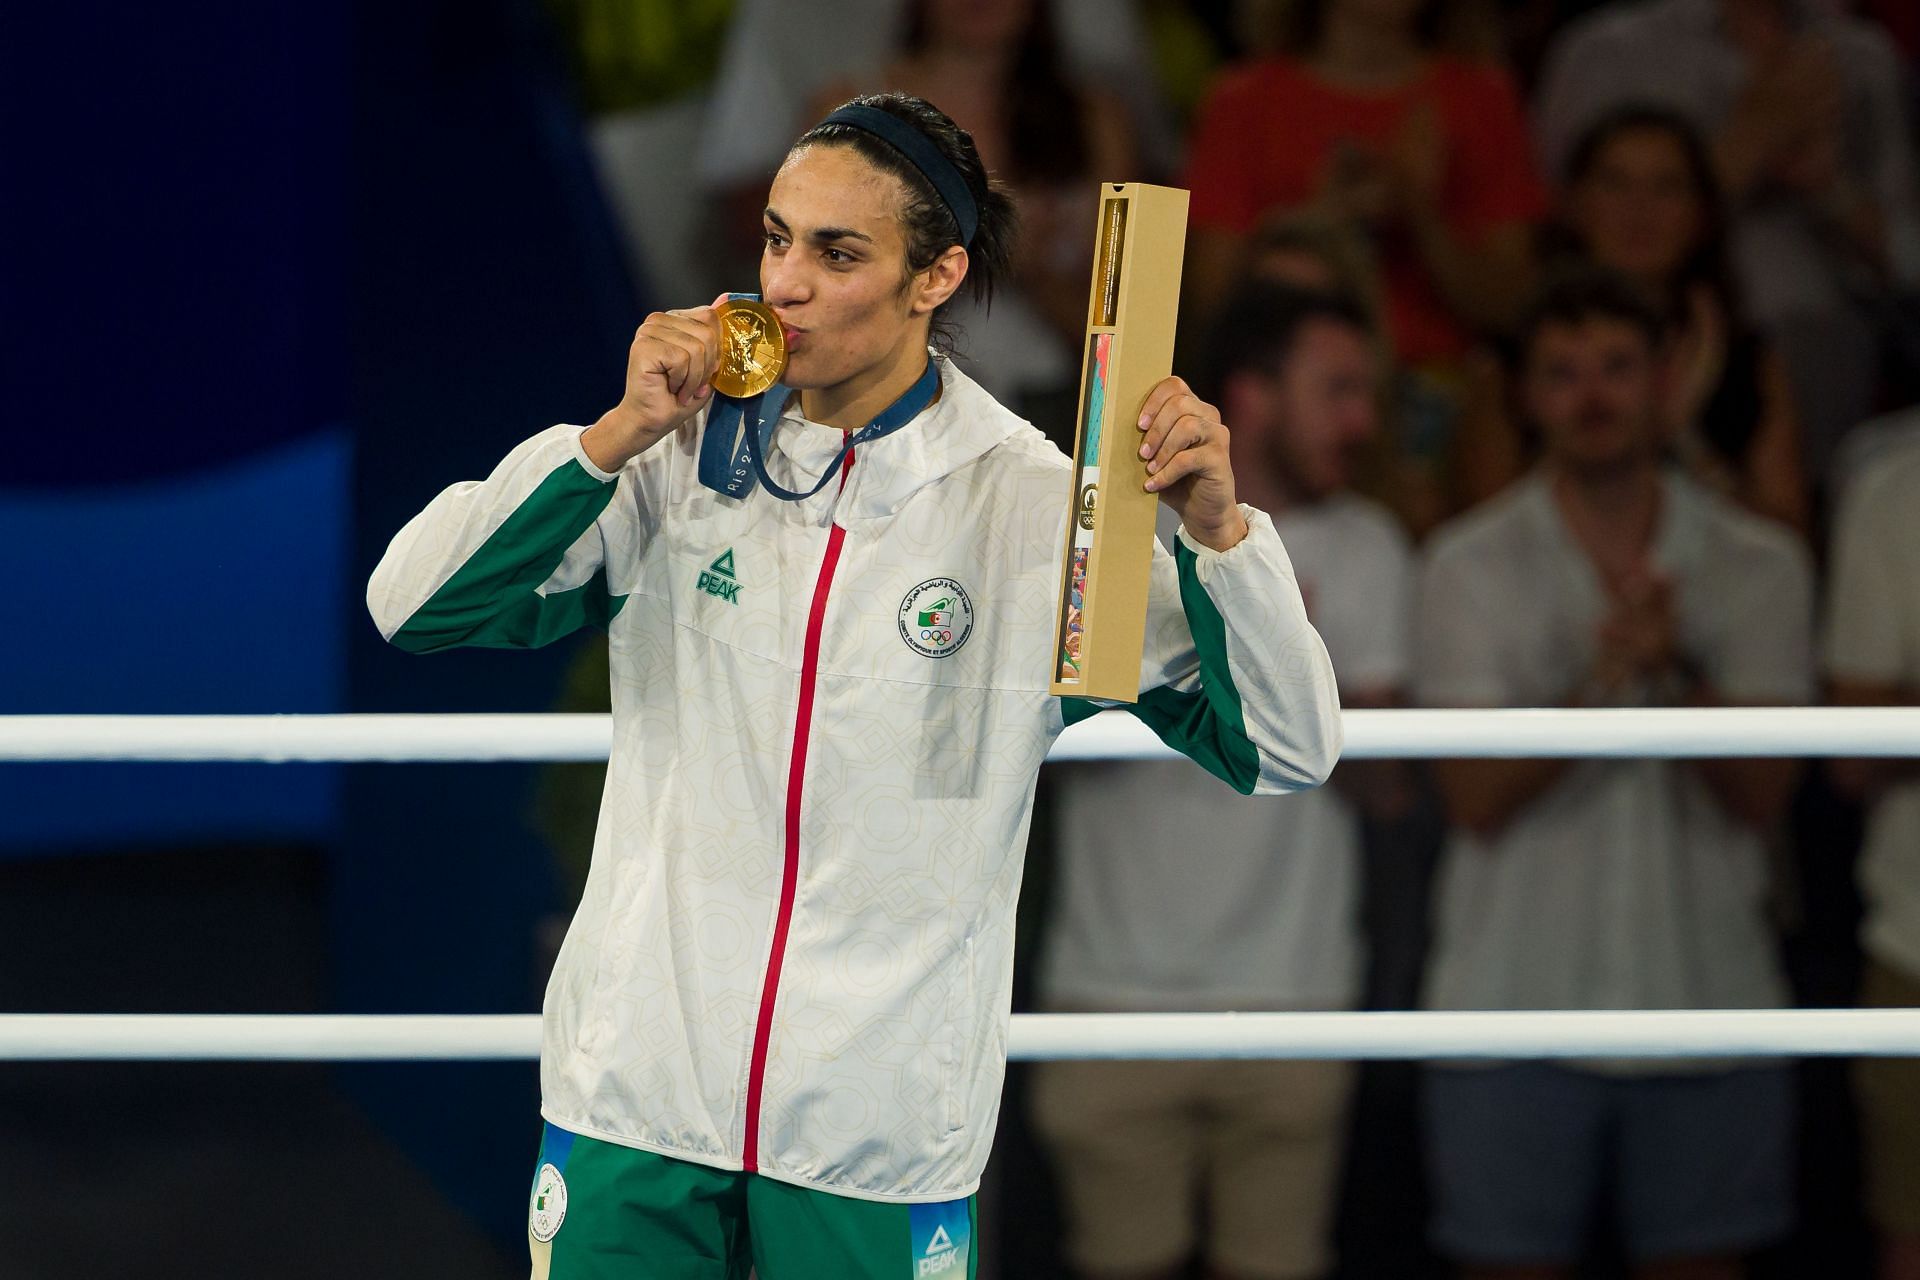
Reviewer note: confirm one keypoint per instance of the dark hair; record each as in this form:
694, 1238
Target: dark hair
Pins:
930, 226
1258, 326
1707, 263
1046, 127
1587, 293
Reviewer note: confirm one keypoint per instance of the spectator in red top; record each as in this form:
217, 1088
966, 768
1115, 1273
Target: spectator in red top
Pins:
1366, 114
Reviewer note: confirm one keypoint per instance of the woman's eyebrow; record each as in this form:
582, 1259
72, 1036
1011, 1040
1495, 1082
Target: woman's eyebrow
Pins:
822, 235
819, 235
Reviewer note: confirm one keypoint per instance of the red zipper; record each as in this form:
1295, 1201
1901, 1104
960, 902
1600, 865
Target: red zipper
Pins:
790, 870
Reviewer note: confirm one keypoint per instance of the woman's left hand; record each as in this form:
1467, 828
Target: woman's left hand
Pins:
1185, 447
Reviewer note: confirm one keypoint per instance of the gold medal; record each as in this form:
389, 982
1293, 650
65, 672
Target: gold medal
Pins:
753, 350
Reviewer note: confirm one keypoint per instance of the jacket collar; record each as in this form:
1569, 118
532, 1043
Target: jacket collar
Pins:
955, 430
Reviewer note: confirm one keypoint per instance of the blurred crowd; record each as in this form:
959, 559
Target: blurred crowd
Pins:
1574, 348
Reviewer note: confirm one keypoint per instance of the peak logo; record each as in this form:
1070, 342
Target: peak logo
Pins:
719, 579
941, 1234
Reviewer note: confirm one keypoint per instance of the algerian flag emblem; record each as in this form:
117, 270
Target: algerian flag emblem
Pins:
936, 618
548, 1208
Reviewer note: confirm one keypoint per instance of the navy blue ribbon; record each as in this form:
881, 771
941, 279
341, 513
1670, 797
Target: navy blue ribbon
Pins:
733, 449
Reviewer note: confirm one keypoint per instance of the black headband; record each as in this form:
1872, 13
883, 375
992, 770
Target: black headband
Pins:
924, 156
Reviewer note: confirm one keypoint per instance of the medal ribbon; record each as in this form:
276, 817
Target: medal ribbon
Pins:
733, 449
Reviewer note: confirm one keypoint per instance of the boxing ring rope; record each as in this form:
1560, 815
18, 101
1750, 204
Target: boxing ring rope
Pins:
1427, 734
1718, 1033
1664, 733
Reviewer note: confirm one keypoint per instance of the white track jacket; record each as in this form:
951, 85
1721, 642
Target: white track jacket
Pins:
794, 953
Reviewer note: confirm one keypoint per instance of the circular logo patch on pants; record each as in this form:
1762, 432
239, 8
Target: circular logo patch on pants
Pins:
548, 1208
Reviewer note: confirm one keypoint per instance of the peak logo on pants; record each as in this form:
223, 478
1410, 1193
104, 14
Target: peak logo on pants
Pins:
942, 1238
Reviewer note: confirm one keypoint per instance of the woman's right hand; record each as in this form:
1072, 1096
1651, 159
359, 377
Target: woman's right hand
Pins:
669, 368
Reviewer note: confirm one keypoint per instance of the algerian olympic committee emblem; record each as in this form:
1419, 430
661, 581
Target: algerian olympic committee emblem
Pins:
936, 617
548, 1209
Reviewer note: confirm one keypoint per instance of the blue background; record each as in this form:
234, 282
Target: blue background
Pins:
274, 277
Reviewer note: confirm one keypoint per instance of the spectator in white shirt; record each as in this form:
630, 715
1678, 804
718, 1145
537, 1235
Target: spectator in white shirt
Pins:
1270, 918
1603, 579
1873, 659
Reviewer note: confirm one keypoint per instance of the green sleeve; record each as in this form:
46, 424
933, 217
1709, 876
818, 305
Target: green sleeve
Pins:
492, 600
1206, 725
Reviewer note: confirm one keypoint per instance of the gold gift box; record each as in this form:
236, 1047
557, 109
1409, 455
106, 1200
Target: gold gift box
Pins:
1101, 624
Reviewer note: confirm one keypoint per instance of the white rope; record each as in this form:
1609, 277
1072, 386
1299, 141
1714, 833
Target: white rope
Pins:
1344, 1036
1656, 733
1370, 735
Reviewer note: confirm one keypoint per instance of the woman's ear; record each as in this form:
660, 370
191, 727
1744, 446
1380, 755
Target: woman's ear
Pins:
940, 281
